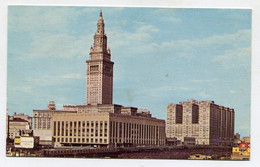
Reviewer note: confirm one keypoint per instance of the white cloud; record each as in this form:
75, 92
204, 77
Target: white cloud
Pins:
17, 87
172, 19
33, 19
163, 90
59, 45
232, 91
202, 80
72, 76
147, 28
138, 39
235, 40
238, 57
203, 95
45, 80
230, 50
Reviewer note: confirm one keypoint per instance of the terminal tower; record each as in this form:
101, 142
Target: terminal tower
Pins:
99, 84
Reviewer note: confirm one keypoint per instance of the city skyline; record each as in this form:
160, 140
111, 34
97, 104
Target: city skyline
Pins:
58, 40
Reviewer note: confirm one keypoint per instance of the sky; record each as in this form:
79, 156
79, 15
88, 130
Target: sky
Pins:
161, 56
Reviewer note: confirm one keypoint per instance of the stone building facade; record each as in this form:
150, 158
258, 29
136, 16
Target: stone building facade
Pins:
17, 126
42, 121
107, 130
207, 122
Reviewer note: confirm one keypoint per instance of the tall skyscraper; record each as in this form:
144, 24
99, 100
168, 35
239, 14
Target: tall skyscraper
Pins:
99, 69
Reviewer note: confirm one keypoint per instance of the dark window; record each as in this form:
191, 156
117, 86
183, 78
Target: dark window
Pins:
58, 128
179, 113
54, 128
62, 128
94, 68
195, 114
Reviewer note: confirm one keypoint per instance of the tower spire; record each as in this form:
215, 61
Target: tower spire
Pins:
100, 13
100, 19
100, 24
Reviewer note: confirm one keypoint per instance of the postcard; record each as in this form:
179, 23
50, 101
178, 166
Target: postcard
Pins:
128, 82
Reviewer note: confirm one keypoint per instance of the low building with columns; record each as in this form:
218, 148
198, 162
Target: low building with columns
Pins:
107, 130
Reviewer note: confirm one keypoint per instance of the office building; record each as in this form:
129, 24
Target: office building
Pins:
207, 122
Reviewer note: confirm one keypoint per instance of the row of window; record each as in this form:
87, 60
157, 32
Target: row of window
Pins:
42, 123
135, 133
79, 140
80, 128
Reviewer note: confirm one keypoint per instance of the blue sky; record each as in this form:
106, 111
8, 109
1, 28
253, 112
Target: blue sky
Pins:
161, 56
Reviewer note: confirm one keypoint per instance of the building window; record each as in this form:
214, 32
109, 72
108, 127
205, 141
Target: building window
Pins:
94, 68
54, 128
70, 128
75, 127
67, 128
120, 129
79, 127
195, 114
59, 128
179, 113
62, 128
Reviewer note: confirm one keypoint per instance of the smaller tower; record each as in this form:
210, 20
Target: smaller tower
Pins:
51, 105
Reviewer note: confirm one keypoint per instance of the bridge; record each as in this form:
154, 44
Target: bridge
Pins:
163, 152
